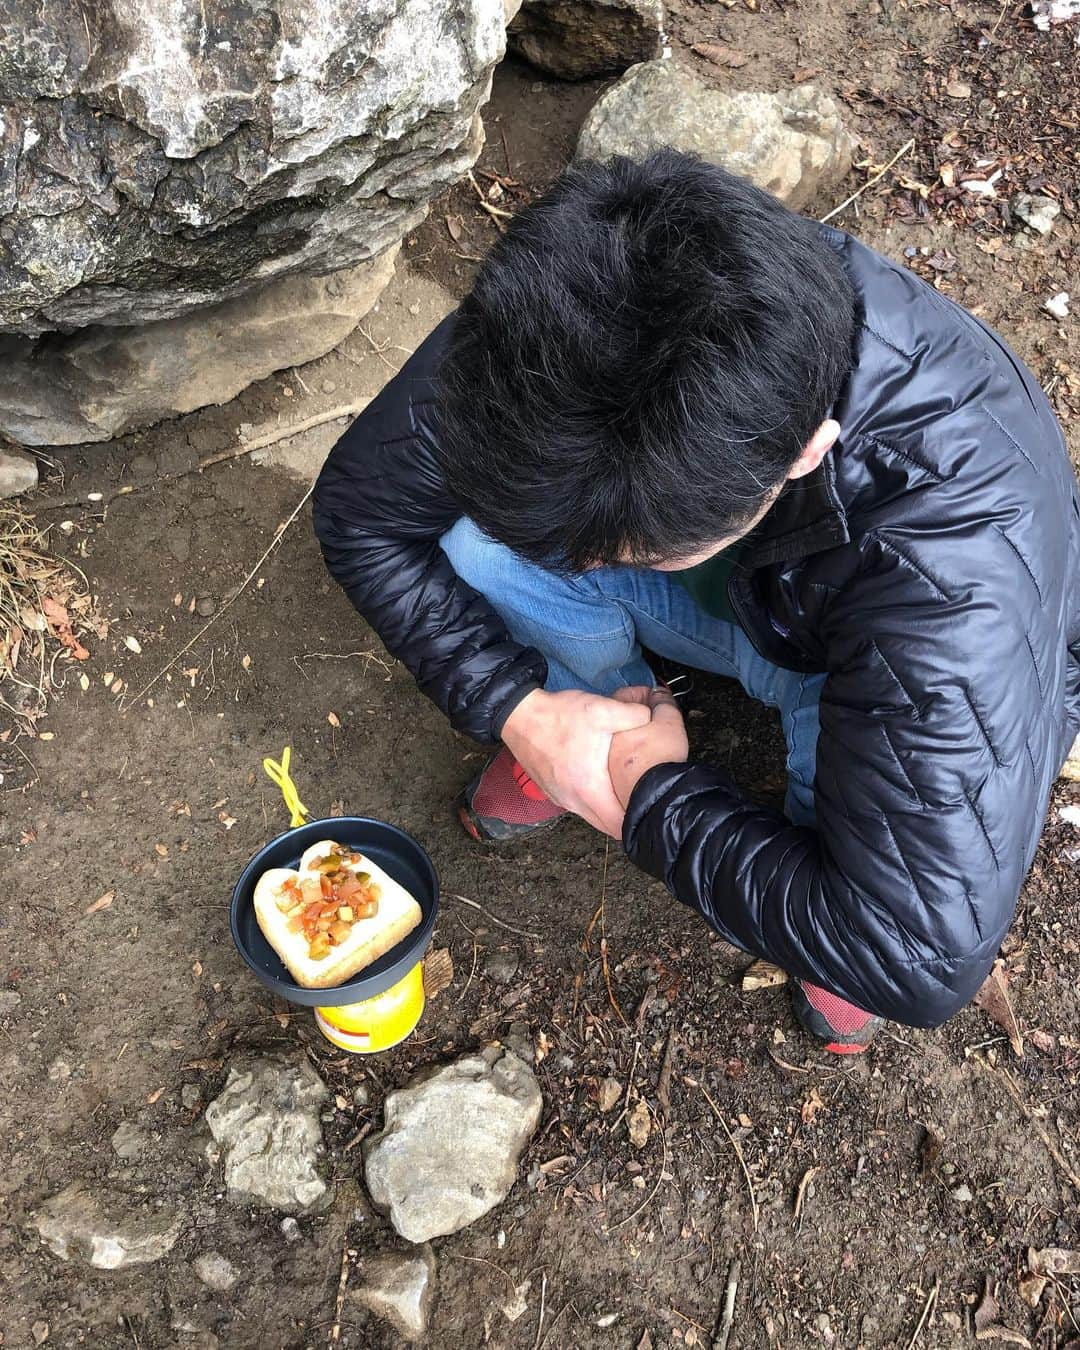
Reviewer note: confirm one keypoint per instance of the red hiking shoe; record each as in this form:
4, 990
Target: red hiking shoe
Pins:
503, 802
845, 1029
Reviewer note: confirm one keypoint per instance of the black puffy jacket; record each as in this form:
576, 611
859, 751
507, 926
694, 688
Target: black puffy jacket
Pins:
931, 567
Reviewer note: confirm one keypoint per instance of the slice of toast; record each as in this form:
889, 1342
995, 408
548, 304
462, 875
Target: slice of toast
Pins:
398, 914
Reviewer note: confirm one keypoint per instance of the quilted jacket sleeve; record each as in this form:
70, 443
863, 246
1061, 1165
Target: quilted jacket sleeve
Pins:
380, 509
925, 791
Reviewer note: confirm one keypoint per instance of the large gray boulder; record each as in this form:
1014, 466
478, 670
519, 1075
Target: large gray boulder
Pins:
268, 1134
574, 39
792, 143
449, 1150
104, 381
157, 156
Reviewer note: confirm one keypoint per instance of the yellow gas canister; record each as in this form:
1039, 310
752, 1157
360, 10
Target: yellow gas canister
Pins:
379, 1022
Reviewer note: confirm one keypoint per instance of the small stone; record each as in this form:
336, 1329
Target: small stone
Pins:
610, 1094
205, 605
105, 1229
451, 1143
40, 1332
191, 1096
266, 1123
1036, 211
329, 387
18, 472
216, 1271
291, 1230
399, 1287
129, 1142
1058, 305
9, 1001
501, 965
958, 89
59, 1071
361, 1094
962, 1193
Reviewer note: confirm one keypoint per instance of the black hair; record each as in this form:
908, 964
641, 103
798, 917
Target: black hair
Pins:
642, 358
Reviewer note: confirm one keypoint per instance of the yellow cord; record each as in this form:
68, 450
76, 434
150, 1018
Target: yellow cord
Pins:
279, 775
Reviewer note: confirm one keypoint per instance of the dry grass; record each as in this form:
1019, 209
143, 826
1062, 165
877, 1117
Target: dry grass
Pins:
45, 606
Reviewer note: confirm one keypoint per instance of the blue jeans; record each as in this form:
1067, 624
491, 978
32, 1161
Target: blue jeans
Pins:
591, 629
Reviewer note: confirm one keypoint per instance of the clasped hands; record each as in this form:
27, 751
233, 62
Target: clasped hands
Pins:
587, 752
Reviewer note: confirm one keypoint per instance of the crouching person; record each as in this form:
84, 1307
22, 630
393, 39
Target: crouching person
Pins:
673, 415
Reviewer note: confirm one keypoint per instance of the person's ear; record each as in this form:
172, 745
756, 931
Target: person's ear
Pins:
816, 448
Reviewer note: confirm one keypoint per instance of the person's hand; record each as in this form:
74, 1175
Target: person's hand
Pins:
636, 750
562, 742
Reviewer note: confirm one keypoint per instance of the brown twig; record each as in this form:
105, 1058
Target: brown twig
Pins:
931, 1299
520, 932
909, 145
343, 1280
1015, 1093
727, 1317
738, 1151
497, 214
130, 702
603, 941
208, 462
543, 1300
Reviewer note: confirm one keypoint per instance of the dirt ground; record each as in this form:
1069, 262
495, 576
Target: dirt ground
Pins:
870, 1203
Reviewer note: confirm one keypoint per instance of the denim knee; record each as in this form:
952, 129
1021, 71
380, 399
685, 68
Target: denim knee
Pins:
473, 555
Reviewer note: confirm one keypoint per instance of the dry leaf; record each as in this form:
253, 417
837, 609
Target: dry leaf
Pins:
958, 89
1042, 1041
178, 599
762, 975
996, 1333
154, 1096
811, 1106
102, 902
803, 73
46, 735
226, 820
438, 972
60, 622
720, 54
1031, 1289
610, 1092
196, 969
453, 228
132, 644
245, 661
333, 719
161, 850
639, 1125
993, 999
543, 1048
84, 682
116, 686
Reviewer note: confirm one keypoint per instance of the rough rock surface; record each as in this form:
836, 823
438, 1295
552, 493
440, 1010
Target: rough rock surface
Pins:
106, 381
157, 156
452, 1139
266, 1127
400, 1286
573, 39
105, 1229
18, 472
216, 1271
792, 143
1037, 211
